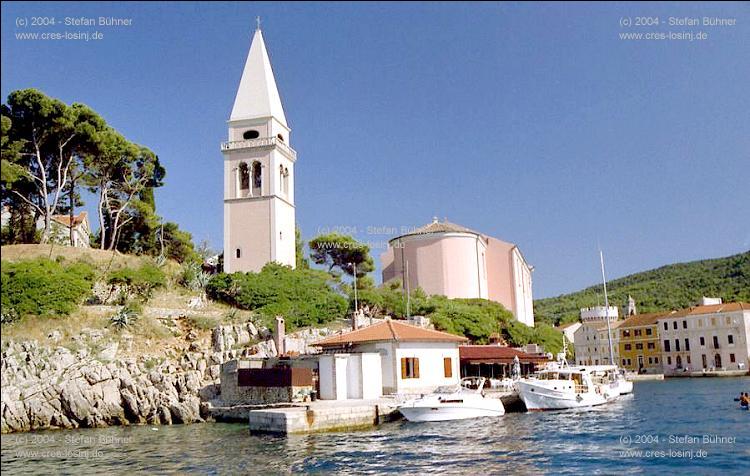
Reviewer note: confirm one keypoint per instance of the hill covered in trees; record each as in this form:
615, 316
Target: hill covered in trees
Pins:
673, 286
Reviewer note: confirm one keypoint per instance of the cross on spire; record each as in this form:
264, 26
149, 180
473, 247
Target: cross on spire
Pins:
257, 23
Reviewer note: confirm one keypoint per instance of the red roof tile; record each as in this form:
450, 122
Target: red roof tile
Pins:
389, 330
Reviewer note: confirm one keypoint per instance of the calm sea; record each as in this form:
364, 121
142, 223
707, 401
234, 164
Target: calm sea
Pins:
689, 426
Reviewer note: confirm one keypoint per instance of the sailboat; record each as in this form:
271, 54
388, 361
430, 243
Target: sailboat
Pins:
618, 383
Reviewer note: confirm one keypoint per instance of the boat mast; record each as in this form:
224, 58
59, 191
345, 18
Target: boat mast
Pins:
606, 312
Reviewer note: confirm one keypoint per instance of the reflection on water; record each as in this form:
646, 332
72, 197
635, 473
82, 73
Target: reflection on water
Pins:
571, 442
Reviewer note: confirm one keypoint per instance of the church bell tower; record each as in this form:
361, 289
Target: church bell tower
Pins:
259, 221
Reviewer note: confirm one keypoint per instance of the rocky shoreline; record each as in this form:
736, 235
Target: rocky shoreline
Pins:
52, 387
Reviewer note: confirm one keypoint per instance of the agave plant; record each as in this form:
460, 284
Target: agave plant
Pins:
124, 317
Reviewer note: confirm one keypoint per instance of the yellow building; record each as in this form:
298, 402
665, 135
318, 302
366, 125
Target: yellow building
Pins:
639, 346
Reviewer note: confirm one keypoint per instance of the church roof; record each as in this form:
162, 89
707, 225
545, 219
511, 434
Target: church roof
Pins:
389, 330
439, 227
257, 95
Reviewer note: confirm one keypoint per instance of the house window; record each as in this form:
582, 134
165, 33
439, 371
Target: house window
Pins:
238, 253
627, 346
651, 346
656, 360
705, 361
728, 320
677, 345
623, 362
409, 367
666, 326
684, 324
730, 338
669, 360
688, 359
717, 361
639, 347
674, 325
637, 332
700, 322
648, 331
703, 341
687, 344
626, 333
731, 358
679, 362
448, 367
716, 342
666, 345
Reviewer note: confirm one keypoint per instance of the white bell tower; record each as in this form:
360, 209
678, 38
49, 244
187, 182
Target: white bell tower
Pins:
258, 172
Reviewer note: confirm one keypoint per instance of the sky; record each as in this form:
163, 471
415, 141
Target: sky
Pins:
534, 123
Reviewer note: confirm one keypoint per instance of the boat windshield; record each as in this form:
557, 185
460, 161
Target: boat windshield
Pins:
448, 389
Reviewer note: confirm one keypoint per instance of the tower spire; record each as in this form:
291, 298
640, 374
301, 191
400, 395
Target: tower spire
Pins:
257, 23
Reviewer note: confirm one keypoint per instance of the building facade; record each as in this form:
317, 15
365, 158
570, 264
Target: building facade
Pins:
639, 343
592, 345
712, 337
413, 359
450, 260
259, 221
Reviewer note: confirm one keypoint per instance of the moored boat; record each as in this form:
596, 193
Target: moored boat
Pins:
563, 388
456, 402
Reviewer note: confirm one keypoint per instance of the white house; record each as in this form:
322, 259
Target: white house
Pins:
569, 330
60, 226
412, 359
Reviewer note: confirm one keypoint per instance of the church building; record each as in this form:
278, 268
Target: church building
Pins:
259, 222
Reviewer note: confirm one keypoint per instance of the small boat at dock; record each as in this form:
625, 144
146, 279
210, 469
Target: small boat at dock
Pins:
457, 402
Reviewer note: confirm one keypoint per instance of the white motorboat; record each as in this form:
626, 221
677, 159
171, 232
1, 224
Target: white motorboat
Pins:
563, 388
457, 402
611, 376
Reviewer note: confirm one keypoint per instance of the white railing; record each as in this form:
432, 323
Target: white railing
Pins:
261, 142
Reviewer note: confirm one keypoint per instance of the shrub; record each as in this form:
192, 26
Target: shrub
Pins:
43, 287
304, 297
141, 282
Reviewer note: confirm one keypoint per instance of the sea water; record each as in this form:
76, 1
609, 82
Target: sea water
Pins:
683, 426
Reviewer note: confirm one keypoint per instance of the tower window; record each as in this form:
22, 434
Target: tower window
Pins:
257, 179
281, 138
244, 176
251, 134
238, 253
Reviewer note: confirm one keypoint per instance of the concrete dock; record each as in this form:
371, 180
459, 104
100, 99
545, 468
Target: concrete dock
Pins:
323, 415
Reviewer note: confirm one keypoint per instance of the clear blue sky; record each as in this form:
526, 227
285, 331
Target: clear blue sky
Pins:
533, 123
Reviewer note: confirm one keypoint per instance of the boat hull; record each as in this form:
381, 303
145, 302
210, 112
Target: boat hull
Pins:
446, 412
538, 397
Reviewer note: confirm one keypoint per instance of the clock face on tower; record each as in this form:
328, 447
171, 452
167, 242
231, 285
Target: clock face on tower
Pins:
259, 162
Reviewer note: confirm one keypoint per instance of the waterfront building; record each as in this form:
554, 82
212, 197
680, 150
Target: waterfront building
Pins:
450, 260
592, 345
599, 313
713, 337
569, 330
496, 361
412, 359
639, 344
259, 222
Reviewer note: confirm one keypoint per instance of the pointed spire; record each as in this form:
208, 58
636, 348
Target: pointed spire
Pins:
257, 95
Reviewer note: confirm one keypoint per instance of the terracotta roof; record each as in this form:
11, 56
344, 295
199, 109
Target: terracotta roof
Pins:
65, 219
387, 331
645, 319
497, 353
711, 309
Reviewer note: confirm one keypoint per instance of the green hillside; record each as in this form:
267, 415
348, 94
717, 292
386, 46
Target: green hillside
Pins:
670, 287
